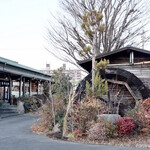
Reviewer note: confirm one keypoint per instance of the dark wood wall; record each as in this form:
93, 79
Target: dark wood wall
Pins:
141, 71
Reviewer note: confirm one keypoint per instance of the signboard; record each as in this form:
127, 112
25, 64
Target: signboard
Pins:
4, 83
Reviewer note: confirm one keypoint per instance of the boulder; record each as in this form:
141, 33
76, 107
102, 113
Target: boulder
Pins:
56, 128
20, 107
109, 117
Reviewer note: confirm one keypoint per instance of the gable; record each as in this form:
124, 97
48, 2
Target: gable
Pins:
119, 56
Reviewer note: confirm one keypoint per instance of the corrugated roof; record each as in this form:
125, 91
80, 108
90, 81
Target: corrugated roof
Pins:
17, 65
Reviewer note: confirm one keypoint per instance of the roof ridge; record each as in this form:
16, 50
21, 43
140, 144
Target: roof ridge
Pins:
16, 64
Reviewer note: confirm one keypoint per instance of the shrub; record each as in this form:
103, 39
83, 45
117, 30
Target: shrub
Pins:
146, 104
111, 129
30, 103
102, 129
71, 136
85, 112
98, 131
141, 114
125, 126
45, 117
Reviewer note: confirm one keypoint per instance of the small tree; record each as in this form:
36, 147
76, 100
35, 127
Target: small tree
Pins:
57, 95
86, 110
92, 25
60, 93
70, 101
47, 91
100, 85
62, 85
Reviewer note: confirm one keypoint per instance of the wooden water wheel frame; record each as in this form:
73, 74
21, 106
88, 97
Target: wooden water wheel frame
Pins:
124, 81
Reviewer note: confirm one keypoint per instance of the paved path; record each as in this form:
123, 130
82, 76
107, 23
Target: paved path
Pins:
15, 135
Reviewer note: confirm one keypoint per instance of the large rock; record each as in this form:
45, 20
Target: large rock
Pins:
109, 117
20, 107
56, 128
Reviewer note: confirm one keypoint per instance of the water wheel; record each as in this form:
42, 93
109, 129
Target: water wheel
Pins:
124, 89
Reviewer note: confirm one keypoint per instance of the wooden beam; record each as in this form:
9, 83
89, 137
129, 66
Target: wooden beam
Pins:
127, 64
10, 92
30, 87
20, 87
125, 84
37, 87
24, 86
4, 90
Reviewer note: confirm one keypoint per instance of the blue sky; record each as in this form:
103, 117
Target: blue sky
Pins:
23, 26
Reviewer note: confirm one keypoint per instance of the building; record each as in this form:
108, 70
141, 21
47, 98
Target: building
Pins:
74, 74
128, 75
15, 77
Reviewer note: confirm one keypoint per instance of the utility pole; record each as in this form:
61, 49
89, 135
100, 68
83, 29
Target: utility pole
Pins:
143, 39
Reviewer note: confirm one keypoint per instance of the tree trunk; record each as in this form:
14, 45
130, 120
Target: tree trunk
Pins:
71, 98
93, 60
52, 102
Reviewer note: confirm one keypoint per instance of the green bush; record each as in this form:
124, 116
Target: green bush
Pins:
111, 129
71, 136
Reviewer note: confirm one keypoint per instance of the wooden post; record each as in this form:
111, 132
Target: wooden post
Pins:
4, 93
10, 92
20, 87
7, 93
30, 87
37, 87
24, 86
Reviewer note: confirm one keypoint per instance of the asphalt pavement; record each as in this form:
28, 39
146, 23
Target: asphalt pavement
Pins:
15, 135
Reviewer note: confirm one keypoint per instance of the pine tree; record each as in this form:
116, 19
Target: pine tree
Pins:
100, 85
92, 25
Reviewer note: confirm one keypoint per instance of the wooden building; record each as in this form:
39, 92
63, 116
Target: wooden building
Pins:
128, 74
11, 71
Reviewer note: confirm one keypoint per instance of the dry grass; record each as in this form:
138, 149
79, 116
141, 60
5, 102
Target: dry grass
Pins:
142, 141
135, 141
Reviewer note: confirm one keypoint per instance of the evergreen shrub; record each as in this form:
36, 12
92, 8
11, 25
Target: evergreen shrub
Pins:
125, 126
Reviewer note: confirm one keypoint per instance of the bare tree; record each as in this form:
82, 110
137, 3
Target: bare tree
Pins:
72, 96
124, 22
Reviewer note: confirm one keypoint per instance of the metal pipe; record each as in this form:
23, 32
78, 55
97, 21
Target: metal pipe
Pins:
131, 57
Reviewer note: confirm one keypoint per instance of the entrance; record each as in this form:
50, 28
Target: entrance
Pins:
5, 90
